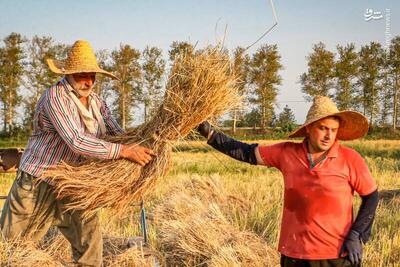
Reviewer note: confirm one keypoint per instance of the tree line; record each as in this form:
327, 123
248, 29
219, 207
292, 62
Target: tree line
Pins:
366, 80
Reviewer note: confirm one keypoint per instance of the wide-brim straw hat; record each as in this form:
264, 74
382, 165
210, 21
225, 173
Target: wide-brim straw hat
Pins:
80, 59
353, 125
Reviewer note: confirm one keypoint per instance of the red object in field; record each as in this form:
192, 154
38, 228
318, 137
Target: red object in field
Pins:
10, 158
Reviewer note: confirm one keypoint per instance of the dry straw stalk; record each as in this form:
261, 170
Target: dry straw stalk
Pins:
195, 228
200, 87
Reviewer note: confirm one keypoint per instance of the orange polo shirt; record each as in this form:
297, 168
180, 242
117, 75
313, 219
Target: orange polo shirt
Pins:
318, 202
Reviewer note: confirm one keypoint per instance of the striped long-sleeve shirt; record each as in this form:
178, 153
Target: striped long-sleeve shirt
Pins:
60, 135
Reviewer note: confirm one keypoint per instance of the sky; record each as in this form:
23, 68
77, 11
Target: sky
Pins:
108, 23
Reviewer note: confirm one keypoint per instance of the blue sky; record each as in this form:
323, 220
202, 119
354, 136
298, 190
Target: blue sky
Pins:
301, 24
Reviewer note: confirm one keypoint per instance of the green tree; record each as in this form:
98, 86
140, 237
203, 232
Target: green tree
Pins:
394, 76
241, 62
153, 72
38, 76
180, 48
264, 78
125, 65
345, 71
11, 73
103, 83
286, 120
252, 118
369, 75
385, 97
319, 77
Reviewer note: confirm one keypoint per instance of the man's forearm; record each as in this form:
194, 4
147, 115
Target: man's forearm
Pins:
233, 148
366, 215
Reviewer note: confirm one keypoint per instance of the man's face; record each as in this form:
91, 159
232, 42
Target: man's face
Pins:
322, 134
83, 82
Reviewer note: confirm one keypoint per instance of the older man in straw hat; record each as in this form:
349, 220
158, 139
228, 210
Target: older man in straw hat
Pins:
69, 123
320, 177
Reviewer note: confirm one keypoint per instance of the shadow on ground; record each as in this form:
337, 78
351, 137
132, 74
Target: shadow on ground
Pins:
389, 195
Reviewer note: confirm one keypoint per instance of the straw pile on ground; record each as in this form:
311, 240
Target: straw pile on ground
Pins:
25, 254
199, 87
196, 229
136, 256
54, 250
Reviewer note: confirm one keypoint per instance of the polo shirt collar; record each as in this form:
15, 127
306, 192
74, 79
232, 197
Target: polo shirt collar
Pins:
332, 153
334, 150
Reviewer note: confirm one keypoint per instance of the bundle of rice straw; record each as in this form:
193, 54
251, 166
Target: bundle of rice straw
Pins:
131, 257
196, 229
54, 250
23, 253
199, 87
122, 251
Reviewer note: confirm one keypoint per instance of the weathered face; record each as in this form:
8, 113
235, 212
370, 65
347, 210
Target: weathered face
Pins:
83, 82
322, 134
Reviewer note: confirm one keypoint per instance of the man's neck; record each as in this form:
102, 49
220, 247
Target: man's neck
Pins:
314, 154
84, 100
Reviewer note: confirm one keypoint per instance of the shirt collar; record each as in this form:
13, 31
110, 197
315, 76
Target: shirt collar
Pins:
332, 153
67, 85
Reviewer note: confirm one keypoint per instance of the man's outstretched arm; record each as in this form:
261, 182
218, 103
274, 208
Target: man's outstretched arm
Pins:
238, 150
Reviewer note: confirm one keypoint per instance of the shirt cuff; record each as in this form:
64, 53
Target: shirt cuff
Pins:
367, 192
115, 150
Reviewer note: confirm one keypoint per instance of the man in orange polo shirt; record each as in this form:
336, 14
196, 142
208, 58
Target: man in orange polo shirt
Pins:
320, 177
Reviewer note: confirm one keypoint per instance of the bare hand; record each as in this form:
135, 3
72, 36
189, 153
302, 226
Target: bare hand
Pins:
137, 153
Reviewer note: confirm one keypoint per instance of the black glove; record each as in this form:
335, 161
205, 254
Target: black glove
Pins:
353, 246
204, 128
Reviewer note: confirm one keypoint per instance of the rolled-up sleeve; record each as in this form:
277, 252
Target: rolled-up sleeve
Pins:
62, 117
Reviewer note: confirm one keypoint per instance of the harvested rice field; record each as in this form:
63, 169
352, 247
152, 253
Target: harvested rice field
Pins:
210, 210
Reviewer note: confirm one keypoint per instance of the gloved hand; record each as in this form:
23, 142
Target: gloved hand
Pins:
353, 246
204, 129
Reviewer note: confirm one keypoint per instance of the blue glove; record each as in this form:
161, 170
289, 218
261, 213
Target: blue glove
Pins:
353, 246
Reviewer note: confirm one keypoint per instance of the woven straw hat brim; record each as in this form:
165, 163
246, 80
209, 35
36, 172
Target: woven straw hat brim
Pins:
353, 125
57, 66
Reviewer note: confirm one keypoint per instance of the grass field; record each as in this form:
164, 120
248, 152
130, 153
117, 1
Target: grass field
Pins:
261, 188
